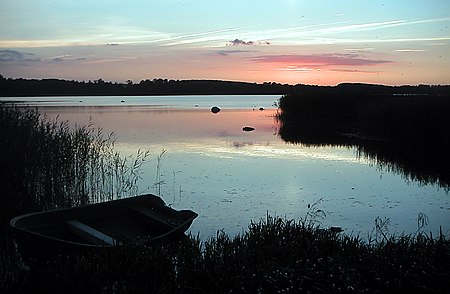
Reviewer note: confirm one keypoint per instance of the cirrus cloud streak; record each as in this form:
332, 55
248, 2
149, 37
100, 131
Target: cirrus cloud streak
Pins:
319, 59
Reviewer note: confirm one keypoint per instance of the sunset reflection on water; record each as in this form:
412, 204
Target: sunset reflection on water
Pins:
172, 126
230, 177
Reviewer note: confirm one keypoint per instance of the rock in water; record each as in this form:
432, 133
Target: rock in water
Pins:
215, 109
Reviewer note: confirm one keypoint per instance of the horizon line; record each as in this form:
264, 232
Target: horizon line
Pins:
219, 80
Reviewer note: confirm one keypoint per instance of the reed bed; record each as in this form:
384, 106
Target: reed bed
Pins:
46, 164
407, 133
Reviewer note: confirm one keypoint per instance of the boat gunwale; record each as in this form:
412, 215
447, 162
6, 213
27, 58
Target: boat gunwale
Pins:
159, 203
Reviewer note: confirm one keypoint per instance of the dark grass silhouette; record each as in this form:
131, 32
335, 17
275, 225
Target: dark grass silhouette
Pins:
273, 255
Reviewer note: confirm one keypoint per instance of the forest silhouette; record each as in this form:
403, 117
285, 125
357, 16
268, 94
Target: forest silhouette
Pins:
58, 87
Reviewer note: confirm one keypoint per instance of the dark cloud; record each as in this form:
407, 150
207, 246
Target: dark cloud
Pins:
8, 55
14, 55
319, 59
354, 70
230, 52
238, 144
56, 59
238, 42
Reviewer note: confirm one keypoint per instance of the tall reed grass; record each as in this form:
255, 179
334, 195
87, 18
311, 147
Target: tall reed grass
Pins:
46, 164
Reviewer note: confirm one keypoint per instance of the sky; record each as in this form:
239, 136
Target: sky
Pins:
286, 41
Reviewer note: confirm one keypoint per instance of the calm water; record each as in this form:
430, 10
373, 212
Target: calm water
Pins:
230, 177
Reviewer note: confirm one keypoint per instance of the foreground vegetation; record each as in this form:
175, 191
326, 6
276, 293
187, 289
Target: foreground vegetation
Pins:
273, 256
47, 165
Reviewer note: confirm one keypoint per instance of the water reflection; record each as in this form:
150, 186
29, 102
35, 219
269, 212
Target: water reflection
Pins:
160, 126
231, 177
416, 162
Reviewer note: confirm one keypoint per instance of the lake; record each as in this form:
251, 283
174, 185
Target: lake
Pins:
231, 177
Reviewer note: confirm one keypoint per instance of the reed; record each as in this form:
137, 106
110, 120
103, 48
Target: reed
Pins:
158, 180
48, 165
405, 133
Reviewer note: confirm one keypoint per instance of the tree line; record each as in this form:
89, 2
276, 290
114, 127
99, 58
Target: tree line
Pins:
59, 87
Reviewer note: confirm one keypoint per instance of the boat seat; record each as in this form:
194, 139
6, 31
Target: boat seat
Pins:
89, 234
151, 217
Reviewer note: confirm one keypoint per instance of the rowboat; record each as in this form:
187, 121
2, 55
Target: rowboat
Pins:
143, 218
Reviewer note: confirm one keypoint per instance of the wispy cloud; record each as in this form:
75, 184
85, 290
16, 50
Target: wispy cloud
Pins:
391, 40
297, 69
359, 49
15, 56
303, 69
131, 35
43, 43
323, 33
199, 37
109, 60
304, 63
353, 70
411, 50
359, 27
319, 59
65, 57
332, 33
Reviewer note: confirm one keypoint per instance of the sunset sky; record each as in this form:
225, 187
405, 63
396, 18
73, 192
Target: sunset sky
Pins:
287, 41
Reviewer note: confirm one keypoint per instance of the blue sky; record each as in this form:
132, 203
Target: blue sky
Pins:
288, 41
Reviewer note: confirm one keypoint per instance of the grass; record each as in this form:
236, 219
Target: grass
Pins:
158, 180
273, 255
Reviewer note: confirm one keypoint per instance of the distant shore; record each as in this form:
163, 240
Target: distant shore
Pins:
57, 87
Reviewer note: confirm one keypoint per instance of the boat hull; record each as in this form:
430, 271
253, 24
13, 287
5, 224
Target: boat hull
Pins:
140, 219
